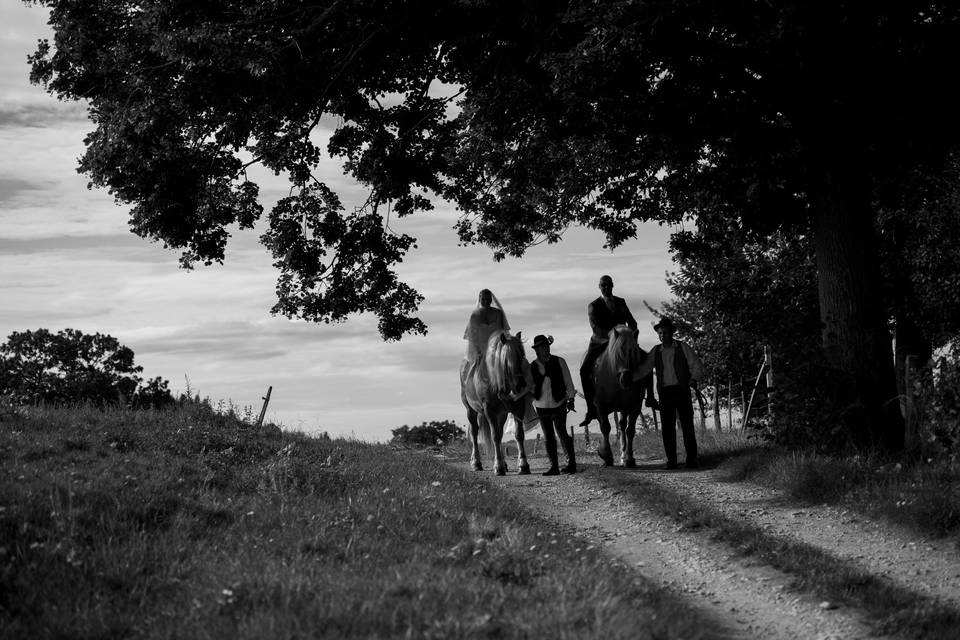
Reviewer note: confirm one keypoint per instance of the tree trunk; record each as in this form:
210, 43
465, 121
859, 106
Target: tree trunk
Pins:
716, 405
855, 337
729, 403
703, 410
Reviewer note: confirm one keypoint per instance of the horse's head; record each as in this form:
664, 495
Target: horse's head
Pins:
505, 360
623, 354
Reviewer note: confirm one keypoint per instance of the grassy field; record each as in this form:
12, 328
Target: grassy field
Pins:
190, 524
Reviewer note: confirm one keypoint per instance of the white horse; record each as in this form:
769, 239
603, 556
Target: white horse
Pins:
492, 389
622, 377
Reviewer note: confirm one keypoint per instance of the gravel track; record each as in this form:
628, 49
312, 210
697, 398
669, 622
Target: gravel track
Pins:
743, 596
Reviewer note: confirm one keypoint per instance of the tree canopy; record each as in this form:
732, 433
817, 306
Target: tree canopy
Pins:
530, 117
71, 366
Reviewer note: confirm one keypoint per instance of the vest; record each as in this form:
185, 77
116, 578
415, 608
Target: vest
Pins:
555, 374
680, 365
606, 318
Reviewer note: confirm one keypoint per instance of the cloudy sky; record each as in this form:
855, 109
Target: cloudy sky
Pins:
67, 259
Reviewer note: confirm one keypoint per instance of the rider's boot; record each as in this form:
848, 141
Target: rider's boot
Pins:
554, 469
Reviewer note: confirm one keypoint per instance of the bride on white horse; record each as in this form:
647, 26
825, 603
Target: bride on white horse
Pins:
495, 382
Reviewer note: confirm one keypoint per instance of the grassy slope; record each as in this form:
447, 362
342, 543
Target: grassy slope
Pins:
188, 524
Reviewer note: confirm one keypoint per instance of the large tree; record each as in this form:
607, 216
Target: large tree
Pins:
70, 366
736, 292
602, 114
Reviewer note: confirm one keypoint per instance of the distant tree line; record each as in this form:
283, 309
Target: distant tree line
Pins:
70, 367
435, 433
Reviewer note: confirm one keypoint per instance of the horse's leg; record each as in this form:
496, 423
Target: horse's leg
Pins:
521, 450
499, 462
472, 418
604, 449
618, 418
628, 424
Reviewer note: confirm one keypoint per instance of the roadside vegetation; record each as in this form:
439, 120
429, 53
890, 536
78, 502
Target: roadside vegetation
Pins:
190, 523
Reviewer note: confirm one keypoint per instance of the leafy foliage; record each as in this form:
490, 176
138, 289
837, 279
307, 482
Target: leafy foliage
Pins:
428, 434
531, 117
937, 401
737, 291
922, 249
73, 367
603, 114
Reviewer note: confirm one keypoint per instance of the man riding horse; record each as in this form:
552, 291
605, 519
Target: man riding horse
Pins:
604, 314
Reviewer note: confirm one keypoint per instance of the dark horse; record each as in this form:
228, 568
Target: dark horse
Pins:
623, 377
491, 390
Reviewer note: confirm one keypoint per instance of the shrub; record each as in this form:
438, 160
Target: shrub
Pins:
428, 434
938, 394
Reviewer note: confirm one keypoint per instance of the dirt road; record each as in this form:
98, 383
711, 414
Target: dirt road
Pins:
744, 596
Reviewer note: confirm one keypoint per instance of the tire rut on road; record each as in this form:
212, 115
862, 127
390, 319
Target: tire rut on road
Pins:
928, 567
746, 598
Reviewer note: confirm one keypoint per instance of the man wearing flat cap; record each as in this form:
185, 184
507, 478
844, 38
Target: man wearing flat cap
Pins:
678, 370
553, 394
604, 314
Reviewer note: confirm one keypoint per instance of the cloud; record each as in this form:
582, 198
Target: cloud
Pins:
79, 244
36, 112
13, 187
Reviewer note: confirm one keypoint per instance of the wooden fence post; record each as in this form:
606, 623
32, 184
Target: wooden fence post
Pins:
263, 411
768, 363
746, 414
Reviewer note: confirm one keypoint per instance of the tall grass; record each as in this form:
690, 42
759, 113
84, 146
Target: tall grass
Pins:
191, 524
919, 494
